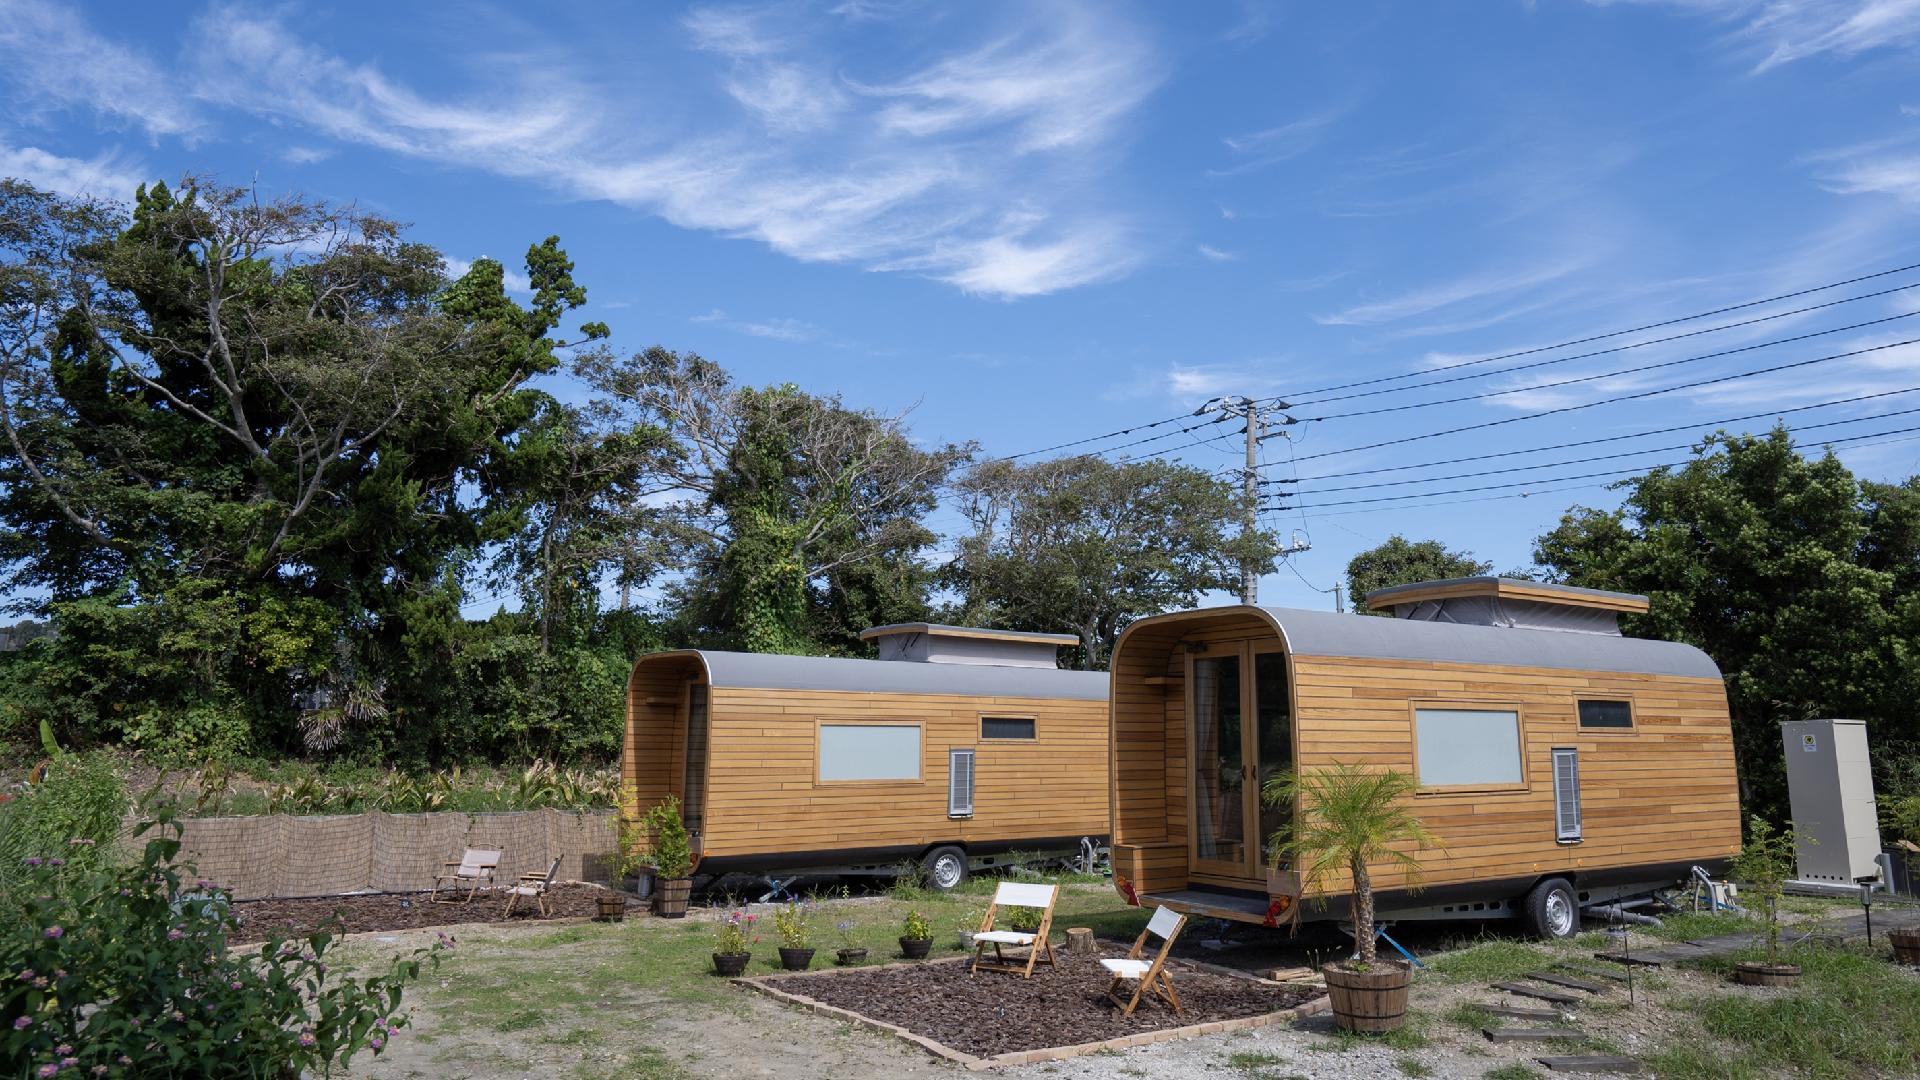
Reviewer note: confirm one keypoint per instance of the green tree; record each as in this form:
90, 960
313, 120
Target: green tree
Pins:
1400, 561
1087, 545
1784, 568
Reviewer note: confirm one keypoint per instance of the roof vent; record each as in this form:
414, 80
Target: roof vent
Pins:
933, 643
1509, 602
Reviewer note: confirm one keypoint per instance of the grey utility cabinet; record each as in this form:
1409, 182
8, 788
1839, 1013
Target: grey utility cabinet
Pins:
1830, 787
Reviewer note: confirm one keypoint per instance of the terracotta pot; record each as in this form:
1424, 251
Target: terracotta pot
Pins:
1760, 973
1373, 1000
916, 948
795, 959
850, 957
1906, 947
730, 964
671, 896
613, 908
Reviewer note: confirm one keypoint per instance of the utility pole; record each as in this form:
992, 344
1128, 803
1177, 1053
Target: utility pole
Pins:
1254, 413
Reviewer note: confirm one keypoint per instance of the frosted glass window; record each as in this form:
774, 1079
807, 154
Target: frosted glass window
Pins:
869, 752
1477, 747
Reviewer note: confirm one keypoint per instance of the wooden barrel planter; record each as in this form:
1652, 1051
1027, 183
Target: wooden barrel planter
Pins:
1756, 973
670, 898
1371, 1001
612, 906
1906, 947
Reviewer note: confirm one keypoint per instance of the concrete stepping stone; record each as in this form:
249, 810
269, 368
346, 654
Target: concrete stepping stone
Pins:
1540, 992
1566, 981
1593, 1063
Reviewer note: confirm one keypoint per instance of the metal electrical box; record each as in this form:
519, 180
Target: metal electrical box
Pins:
1830, 787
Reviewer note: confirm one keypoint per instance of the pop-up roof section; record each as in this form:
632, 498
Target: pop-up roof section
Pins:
934, 643
1510, 602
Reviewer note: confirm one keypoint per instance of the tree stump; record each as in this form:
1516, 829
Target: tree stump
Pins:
1080, 941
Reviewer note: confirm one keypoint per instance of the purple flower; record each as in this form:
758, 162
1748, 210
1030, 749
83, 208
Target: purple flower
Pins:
98, 1070
56, 862
22, 1023
59, 973
55, 932
377, 1042
178, 1015
33, 860
26, 974
69, 1062
63, 1050
235, 984
49, 1069
306, 1038
175, 934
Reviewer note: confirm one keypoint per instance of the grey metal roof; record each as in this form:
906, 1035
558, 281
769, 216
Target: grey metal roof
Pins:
1324, 633
772, 671
949, 630
1391, 591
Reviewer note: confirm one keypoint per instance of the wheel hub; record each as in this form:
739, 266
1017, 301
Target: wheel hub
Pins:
1559, 914
946, 871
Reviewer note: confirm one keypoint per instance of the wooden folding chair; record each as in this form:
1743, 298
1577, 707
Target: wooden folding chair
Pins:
1016, 894
1148, 977
535, 886
474, 867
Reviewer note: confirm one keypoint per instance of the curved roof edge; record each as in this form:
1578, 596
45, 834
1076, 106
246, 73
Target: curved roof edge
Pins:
775, 671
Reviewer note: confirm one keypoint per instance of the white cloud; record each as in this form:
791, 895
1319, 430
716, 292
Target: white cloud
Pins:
513, 280
772, 329
1270, 146
1898, 176
305, 155
1465, 290
1214, 254
104, 176
1776, 32
54, 59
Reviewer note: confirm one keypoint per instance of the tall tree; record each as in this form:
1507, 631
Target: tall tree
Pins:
1087, 545
1785, 569
1400, 561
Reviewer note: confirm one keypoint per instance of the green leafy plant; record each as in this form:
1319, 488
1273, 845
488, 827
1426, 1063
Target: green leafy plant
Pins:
68, 817
1765, 863
1346, 818
794, 921
669, 849
1024, 919
126, 972
737, 933
916, 927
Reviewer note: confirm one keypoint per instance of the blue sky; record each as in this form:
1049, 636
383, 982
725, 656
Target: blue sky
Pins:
1033, 222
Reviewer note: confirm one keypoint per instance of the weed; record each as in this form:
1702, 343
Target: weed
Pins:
1249, 1060
1412, 1067
1515, 1071
520, 1021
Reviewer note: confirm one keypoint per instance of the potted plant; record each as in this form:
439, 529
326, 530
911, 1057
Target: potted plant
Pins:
636, 875
917, 939
795, 924
1763, 866
849, 954
732, 949
611, 905
969, 925
670, 853
1348, 818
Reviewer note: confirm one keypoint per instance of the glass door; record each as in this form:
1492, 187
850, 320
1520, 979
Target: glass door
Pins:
1241, 735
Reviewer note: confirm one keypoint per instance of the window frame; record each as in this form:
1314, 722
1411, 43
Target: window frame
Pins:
1633, 715
1028, 717
918, 780
1579, 812
1414, 708
972, 754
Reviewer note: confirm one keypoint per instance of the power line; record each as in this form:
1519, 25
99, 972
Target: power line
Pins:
1614, 333
1609, 374
1610, 401
1091, 438
1603, 352
1558, 479
1589, 460
1591, 442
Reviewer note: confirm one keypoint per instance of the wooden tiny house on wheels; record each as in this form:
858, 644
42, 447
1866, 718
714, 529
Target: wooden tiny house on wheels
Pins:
1559, 764
954, 748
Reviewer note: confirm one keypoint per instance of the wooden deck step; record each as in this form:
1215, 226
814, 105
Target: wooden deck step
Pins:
1540, 992
1528, 1034
1593, 1063
1629, 961
1566, 981
1518, 1013
1593, 972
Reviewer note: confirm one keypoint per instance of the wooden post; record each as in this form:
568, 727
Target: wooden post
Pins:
1080, 941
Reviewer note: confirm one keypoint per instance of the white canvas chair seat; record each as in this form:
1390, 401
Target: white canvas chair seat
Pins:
1148, 976
534, 886
476, 866
1016, 894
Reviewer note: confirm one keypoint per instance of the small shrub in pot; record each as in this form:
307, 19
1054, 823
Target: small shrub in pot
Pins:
732, 948
916, 939
670, 853
849, 953
1764, 864
795, 925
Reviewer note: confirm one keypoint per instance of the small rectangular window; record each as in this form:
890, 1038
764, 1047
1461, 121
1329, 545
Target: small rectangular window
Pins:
1566, 794
1468, 747
1006, 727
1606, 714
869, 752
960, 783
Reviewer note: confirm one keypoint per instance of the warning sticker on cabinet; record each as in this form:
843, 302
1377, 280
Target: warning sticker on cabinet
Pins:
1809, 743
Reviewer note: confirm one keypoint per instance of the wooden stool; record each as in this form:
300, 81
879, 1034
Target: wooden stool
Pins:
1080, 941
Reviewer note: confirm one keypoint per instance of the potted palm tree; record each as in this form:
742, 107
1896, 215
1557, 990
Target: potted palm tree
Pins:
1348, 818
1764, 864
671, 853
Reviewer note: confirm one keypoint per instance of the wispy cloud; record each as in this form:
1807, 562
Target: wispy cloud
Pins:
1898, 176
305, 155
56, 61
1273, 145
771, 329
105, 176
1775, 32
1450, 294
1214, 254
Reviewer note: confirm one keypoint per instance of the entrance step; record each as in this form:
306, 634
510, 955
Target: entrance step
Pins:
1539, 992
1518, 1013
1566, 981
1528, 1034
1593, 1063
1592, 972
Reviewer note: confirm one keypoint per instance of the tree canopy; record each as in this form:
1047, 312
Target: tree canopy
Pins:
1400, 561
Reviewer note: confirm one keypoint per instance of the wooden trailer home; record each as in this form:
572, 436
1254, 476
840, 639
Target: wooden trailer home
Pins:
1558, 763
955, 747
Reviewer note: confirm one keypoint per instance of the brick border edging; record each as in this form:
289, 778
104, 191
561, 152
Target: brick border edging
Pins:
764, 984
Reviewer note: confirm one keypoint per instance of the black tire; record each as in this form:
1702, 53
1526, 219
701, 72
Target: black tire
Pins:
1552, 910
946, 867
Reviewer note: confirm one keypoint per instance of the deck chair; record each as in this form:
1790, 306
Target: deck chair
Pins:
474, 868
533, 885
1016, 894
1148, 976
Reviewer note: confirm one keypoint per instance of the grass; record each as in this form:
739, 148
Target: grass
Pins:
1516, 1071
1253, 1061
1491, 960
1412, 1067
1410, 1035
1693, 925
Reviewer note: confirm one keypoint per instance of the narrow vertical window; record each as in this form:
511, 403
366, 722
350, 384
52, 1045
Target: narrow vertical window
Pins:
1566, 794
960, 783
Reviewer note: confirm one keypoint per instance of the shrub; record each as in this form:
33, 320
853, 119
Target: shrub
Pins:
736, 933
125, 972
795, 924
671, 850
69, 819
916, 927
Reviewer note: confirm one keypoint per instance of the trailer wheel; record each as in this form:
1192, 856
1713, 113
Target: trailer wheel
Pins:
946, 867
1552, 911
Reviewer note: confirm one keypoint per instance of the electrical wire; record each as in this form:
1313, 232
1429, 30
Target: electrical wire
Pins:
1089, 439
